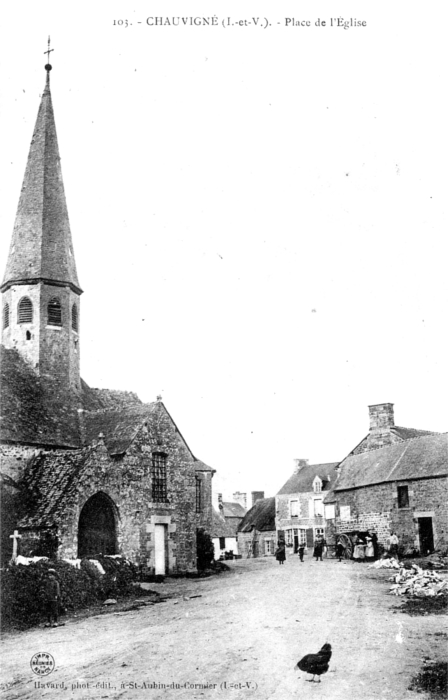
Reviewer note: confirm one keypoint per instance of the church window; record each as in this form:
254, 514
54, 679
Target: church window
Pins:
54, 313
158, 476
25, 310
75, 317
6, 316
198, 495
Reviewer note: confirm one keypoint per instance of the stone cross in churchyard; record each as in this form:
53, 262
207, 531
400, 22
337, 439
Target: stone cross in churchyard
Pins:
15, 541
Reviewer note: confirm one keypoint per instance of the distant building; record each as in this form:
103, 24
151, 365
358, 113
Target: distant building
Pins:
299, 504
232, 512
223, 537
256, 532
394, 480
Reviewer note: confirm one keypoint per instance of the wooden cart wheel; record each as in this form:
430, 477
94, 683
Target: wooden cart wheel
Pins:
348, 546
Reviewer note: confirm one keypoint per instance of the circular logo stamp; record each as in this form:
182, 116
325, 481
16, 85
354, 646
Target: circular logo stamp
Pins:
42, 663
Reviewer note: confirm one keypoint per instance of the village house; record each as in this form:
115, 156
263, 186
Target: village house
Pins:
256, 532
223, 537
299, 505
232, 511
229, 515
394, 480
84, 471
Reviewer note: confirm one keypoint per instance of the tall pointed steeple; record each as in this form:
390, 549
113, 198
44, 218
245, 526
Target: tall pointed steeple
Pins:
41, 247
40, 290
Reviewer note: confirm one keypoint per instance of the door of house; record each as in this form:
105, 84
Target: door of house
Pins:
309, 538
296, 541
160, 550
425, 535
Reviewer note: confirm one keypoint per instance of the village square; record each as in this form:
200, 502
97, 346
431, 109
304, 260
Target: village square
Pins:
208, 593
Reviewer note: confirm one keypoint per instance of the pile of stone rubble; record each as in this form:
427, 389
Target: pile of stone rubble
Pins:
417, 582
388, 563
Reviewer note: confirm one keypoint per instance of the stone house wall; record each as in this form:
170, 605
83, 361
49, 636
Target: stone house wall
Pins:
250, 542
305, 519
376, 508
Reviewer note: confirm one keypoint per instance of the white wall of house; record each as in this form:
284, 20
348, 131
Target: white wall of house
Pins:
230, 543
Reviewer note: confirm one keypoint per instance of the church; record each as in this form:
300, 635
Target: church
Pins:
83, 471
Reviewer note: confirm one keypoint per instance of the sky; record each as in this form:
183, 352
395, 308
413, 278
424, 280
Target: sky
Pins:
258, 213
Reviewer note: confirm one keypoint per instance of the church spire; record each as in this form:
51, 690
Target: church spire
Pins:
41, 247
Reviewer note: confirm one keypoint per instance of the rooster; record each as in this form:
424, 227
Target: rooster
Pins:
317, 664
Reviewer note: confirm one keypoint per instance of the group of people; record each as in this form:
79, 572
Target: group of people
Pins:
365, 548
320, 546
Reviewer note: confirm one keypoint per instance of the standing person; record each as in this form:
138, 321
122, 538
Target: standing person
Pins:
301, 550
52, 597
318, 547
370, 552
393, 545
339, 549
375, 545
280, 553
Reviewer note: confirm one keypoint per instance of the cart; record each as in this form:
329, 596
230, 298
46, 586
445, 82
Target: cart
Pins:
346, 539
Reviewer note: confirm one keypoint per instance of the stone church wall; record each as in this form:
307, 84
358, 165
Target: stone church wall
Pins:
126, 480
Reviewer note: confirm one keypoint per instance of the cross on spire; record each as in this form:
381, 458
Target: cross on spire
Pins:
48, 67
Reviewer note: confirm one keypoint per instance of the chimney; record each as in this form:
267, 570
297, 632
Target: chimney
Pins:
381, 417
257, 496
240, 498
220, 503
299, 463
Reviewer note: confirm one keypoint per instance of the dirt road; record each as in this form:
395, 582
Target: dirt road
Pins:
240, 639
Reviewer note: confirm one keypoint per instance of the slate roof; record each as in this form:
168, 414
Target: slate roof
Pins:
41, 245
302, 481
51, 483
32, 413
417, 458
233, 510
261, 516
397, 435
220, 528
409, 433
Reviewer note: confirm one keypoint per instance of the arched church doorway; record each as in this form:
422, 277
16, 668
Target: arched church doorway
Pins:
97, 527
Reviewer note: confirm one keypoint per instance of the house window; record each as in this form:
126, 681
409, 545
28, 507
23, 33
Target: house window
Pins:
302, 536
54, 313
75, 317
6, 316
317, 485
318, 507
25, 311
288, 536
158, 475
294, 509
198, 495
269, 547
222, 543
403, 497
